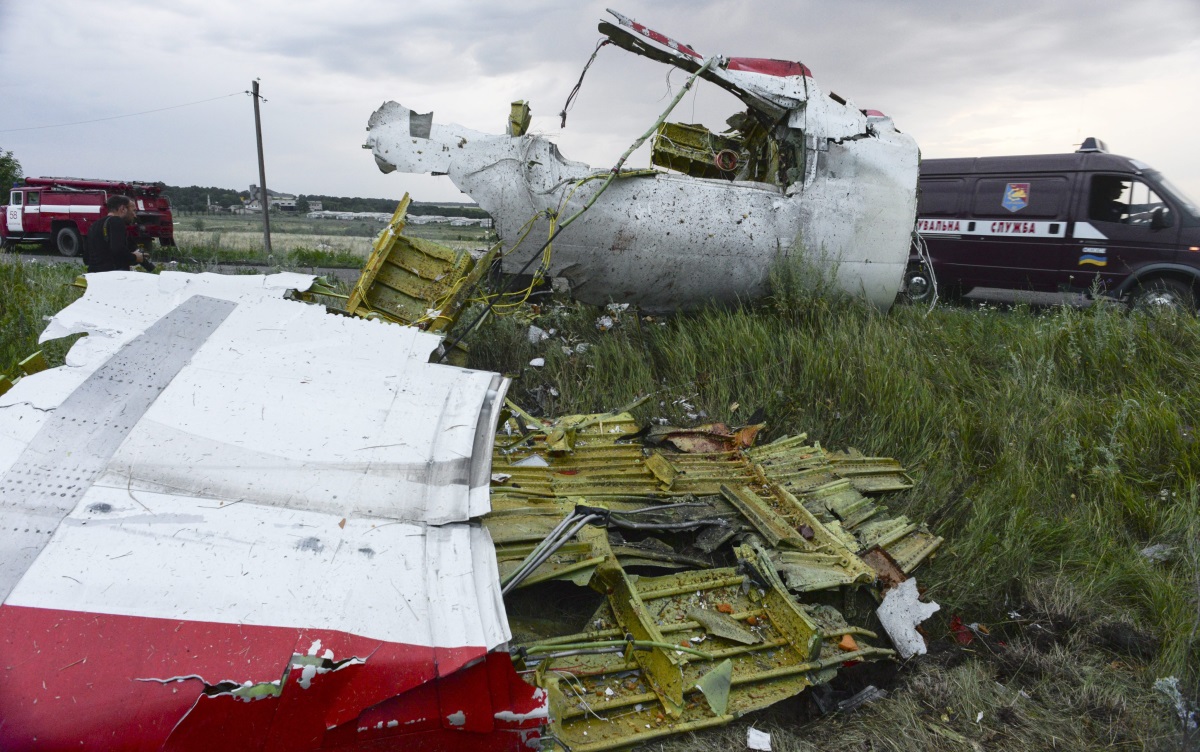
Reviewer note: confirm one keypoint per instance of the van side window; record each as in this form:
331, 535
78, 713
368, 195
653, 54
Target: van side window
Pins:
33, 199
1126, 201
16, 198
1021, 197
939, 198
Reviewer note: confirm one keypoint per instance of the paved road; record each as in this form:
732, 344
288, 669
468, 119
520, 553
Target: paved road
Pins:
1011, 297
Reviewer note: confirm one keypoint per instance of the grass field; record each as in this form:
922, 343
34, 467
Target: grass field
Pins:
1055, 449
295, 241
241, 237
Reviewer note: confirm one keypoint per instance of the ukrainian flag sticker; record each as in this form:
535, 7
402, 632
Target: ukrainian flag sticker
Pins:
1094, 257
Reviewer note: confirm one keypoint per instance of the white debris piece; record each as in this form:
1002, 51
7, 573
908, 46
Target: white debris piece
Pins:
537, 362
900, 613
1169, 686
759, 740
1158, 553
536, 334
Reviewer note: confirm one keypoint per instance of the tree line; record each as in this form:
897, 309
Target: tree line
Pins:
196, 198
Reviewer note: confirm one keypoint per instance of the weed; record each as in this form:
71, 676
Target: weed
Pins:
30, 292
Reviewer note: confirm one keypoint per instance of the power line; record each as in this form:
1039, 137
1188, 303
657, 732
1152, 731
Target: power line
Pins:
118, 117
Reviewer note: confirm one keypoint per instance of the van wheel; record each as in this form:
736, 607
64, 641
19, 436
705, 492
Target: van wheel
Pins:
67, 241
918, 285
1162, 293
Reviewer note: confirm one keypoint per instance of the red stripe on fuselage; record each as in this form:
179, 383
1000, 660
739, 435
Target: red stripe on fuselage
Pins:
95, 681
768, 66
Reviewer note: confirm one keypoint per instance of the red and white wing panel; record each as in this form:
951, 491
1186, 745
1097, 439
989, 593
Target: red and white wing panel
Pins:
235, 517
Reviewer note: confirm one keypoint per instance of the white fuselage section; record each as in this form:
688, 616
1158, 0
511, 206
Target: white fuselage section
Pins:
668, 241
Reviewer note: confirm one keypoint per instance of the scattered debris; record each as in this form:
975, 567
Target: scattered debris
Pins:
752, 534
900, 613
395, 567
1159, 553
1169, 686
800, 173
700, 550
870, 693
758, 740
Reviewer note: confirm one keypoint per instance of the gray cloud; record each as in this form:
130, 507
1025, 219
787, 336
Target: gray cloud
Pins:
982, 76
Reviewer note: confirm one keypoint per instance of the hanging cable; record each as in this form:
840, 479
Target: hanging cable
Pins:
549, 545
927, 265
575, 92
118, 117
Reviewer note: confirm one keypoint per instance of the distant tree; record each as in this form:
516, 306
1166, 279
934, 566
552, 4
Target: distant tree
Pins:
10, 171
195, 198
302, 205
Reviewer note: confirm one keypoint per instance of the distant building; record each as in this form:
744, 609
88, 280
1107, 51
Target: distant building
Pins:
350, 216
284, 202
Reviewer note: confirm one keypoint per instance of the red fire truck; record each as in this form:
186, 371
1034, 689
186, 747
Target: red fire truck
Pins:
58, 212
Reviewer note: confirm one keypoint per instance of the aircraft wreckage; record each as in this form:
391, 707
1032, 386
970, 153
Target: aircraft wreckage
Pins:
801, 173
234, 520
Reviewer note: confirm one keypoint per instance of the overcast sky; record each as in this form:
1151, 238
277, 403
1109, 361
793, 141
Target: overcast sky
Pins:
964, 78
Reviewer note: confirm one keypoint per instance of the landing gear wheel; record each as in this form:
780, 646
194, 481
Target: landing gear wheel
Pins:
67, 241
1163, 293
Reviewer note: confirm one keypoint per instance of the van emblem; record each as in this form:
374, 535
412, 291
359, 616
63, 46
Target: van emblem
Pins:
1016, 196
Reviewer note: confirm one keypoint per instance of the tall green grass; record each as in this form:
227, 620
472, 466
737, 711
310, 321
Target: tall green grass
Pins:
29, 293
213, 253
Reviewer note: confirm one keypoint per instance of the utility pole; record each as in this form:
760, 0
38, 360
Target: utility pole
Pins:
263, 198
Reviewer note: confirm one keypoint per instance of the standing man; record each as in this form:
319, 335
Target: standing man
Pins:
108, 239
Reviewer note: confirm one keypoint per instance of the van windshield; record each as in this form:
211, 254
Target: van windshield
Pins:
1170, 189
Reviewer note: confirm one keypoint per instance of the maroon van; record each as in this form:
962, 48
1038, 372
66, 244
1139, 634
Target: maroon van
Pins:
1056, 223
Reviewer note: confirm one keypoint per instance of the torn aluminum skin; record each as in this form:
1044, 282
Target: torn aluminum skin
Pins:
232, 516
830, 184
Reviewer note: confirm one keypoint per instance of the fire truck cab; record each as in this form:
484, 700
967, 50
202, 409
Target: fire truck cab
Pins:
57, 212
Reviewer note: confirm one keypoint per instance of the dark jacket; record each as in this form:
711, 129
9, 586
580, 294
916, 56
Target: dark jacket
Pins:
109, 248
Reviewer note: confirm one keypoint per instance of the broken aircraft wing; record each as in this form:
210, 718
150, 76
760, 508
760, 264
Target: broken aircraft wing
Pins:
234, 516
803, 174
